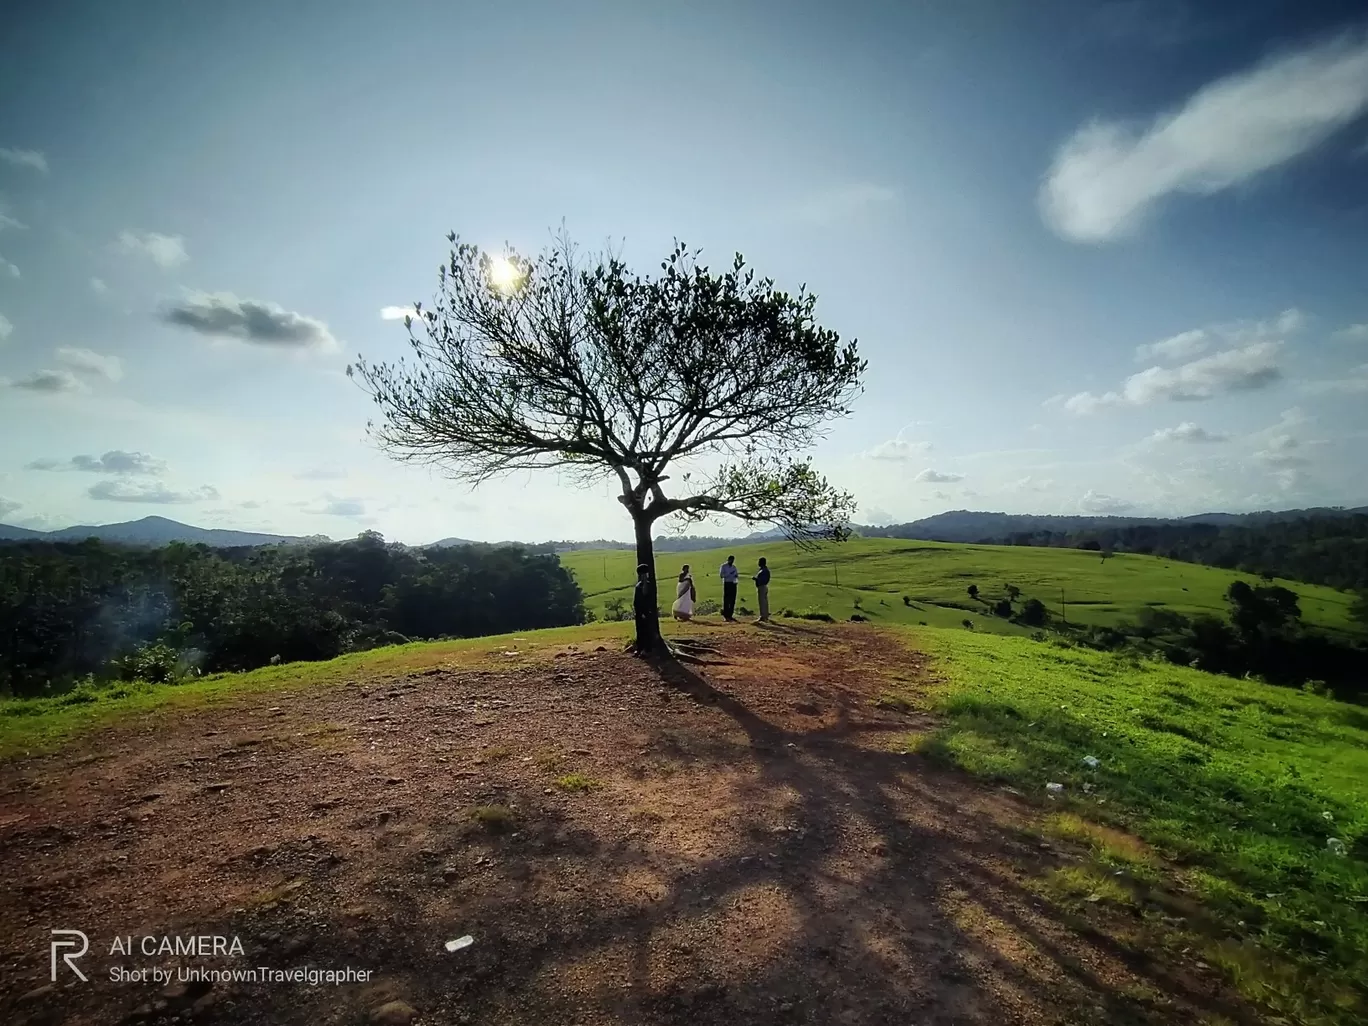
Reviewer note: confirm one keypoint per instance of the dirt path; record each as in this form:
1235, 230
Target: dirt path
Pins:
752, 847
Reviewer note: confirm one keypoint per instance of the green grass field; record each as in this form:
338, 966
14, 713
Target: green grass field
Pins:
1239, 784
877, 572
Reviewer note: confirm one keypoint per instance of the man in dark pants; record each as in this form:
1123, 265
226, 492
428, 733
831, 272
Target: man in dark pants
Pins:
729, 575
642, 606
762, 580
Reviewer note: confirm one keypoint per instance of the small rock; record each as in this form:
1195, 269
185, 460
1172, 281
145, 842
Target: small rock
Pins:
451, 873
393, 1013
394, 780
151, 796
222, 785
384, 816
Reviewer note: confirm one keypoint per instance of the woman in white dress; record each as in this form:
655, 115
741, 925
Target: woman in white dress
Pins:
685, 595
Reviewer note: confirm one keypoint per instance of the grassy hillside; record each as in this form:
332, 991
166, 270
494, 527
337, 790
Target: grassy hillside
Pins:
878, 572
1240, 784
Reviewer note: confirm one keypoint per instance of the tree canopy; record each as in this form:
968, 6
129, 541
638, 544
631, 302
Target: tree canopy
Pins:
581, 365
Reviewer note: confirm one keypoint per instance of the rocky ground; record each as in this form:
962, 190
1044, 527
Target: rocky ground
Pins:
744, 842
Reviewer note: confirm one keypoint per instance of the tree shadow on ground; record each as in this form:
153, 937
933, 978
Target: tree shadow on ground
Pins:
768, 874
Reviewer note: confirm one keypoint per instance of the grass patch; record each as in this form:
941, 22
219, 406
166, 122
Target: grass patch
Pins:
576, 783
32, 725
1239, 783
497, 753
1085, 884
497, 819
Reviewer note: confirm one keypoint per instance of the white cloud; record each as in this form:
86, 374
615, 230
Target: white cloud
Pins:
1186, 432
6, 328
1353, 383
1353, 333
898, 449
90, 362
115, 461
1032, 484
24, 158
9, 269
1108, 175
1183, 346
127, 491
8, 506
929, 476
166, 251
1233, 370
397, 313
876, 516
98, 286
50, 381
9, 222
336, 507
1097, 502
249, 320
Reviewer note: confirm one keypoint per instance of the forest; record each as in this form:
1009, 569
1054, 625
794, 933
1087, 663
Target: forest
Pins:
69, 610
1318, 550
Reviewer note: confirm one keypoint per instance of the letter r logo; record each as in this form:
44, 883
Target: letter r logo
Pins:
70, 941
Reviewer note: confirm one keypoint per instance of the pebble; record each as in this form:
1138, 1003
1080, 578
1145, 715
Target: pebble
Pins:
393, 1013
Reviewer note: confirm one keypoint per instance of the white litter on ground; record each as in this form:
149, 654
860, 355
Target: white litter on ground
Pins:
460, 942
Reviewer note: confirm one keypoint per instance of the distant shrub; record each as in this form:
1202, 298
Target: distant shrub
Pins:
968, 623
616, 608
155, 663
907, 600
857, 618
575, 782
921, 623
1033, 613
494, 818
1003, 608
1037, 635
1317, 687
815, 614
707, 606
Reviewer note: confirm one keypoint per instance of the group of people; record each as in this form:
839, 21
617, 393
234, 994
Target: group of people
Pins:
686, 594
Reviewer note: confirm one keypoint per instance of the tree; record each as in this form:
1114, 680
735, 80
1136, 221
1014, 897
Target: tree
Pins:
584, 367
1033, 613
1013, 592
973, 591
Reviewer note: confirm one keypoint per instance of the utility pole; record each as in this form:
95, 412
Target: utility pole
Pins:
1063, 609
837, 571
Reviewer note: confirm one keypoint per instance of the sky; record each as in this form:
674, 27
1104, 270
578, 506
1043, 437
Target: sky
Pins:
1102, 257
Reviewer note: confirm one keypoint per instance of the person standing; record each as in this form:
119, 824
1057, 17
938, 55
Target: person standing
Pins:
685, 595
643, 600
730, 575
762, 580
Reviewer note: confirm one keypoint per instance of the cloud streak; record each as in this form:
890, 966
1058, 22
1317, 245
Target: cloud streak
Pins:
115, 461
224, 315
52, 382
1188, 433
154, 494
929, 476
1106, 178
1244, 369
87, 361
32, 159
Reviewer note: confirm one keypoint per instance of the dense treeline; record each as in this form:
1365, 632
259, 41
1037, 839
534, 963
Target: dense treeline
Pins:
72, 609
1317, 550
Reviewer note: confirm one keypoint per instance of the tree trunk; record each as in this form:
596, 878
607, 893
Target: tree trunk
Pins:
648, 637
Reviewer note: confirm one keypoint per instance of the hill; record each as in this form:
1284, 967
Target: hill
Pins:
819, 824
871, 576
156, 531
964, 525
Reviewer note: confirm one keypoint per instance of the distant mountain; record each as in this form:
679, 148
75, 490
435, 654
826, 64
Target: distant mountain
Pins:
448, 543
964, 525
156, 531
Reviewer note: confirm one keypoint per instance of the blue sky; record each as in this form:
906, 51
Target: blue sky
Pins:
1101, 257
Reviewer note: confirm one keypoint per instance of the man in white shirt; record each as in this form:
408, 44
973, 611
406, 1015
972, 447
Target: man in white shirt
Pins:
729, 575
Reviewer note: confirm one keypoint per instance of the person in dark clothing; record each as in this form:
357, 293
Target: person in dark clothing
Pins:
762, 579
729, 574
643, 606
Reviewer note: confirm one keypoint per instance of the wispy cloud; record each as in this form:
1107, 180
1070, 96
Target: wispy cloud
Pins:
24, 158
1183, 346
166, 251
1186, 432
98, 286
116, 461
898, 450
340, 507
6, 328
156, 494
8, 269
929, 476
49, 381
225, 315
1099, 502
1352, 333
1108, 175
843, 203
1353, 383
8, 506
87, 361
397, 313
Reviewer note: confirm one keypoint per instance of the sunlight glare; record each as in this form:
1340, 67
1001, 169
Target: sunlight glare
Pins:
503, 273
